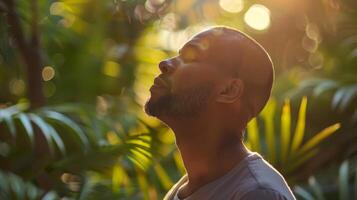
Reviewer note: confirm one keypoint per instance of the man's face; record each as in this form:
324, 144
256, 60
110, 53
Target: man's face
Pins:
186, 83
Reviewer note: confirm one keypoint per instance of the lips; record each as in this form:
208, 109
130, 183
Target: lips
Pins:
161, 83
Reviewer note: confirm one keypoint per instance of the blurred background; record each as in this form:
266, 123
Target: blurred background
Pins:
74, 75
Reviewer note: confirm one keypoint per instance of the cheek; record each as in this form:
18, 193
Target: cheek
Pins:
186, 79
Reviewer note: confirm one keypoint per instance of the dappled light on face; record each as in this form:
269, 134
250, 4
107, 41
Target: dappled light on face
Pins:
258, 17
232, 6
48, 73
189, 54
111, 69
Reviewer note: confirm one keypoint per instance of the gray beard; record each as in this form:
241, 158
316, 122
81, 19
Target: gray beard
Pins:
189, 104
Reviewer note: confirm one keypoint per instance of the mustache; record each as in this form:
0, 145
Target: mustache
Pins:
165, 79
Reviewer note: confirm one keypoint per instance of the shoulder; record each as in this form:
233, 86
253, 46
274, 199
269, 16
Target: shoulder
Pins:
262, 193
266, 181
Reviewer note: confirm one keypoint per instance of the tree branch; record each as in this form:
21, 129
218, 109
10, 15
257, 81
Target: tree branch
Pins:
15, 27
29, 51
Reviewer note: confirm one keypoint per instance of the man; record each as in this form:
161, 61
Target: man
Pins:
219, 81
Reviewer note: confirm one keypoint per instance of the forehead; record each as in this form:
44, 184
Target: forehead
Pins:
220, 48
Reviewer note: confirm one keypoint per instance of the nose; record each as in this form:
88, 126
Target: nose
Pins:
167, 66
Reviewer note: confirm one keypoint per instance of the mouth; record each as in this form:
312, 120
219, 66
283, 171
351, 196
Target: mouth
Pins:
160, 83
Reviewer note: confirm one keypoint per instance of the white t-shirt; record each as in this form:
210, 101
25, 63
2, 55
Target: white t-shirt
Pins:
251, 179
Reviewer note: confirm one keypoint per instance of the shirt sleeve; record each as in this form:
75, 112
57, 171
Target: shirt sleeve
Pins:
264, 194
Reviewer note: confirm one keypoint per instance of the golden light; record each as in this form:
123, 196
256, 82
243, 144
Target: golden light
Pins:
258, 17
174, 40
232, 6
113, 138
111, 68
48, 73
17, 87
57, 8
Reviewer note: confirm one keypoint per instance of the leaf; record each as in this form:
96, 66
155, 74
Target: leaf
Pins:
10, 124
316, 188
179, 162
319, 137
28, 127
338, 96
303, 193
268, 114
343, 181
324, 86
285, 130
70, 123
119, 177
16, 185
6, 115
3, 182
350, 94
50, 196
143, 184
300, 126
311, 82
164, 178
253, 135
49, 132
300, 159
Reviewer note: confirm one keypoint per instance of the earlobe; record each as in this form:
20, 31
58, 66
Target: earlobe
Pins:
231, 92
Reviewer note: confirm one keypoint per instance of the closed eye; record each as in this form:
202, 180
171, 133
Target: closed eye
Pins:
189, 54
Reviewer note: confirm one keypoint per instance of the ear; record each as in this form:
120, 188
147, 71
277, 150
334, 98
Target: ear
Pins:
231, 91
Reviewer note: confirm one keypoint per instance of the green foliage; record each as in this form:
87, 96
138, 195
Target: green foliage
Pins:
346, 186
287, 151
85, 149
13, 187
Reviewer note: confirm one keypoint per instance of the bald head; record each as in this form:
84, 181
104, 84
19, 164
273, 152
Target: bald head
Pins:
240, 56
218, 65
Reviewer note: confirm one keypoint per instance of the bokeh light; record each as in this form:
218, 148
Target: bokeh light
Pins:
48, 73
17, 87
111, 68
258, 17
232, 6
57, 8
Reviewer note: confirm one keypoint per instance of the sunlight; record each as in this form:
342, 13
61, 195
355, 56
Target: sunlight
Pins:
17, 87
258, 17
48, 73
111, 68
232, 6
174, 40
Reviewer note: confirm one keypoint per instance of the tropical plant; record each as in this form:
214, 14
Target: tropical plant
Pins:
83, 153
13, 187
287, 150
344, 189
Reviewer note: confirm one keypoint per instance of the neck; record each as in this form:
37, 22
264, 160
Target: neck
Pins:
208, 150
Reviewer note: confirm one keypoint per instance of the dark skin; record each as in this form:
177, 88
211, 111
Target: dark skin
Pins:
210, 143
